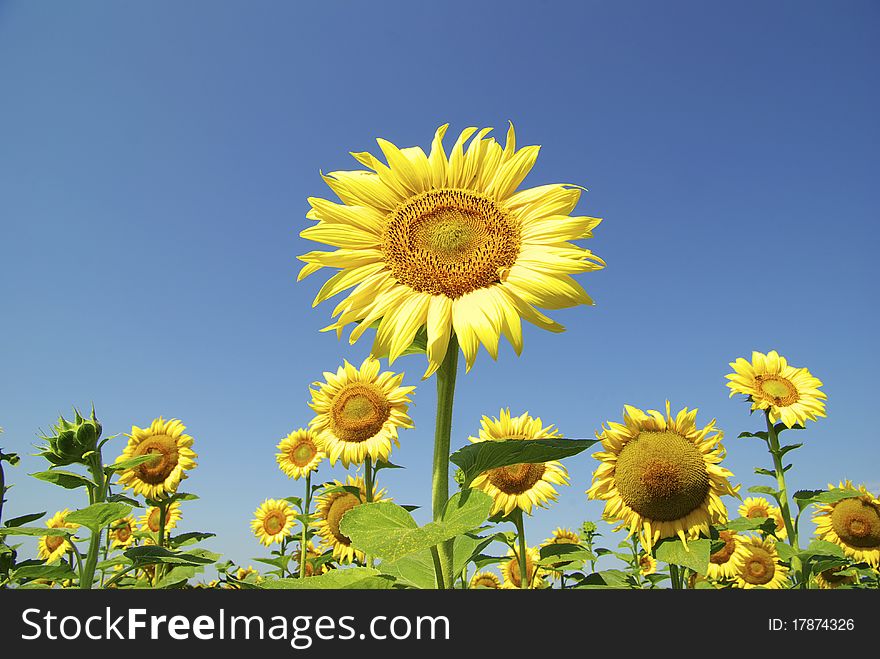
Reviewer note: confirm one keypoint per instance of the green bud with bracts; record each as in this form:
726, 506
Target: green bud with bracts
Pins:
72, 441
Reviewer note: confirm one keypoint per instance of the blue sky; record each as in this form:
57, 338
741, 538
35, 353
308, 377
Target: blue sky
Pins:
156, 158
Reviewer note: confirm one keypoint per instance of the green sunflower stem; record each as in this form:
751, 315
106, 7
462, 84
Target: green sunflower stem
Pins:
97, 494
307, 507
163, 510
674, 576
524, 580
442, 434
368, 483
791, 529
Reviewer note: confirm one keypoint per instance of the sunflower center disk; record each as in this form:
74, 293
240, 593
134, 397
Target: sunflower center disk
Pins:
340, 505
153, 520
450, 242
359, 412
164, 449
857, 523
759, 568
661, 476
302, 453
53, 542
516, 479
273, 523
777, 389
123, 533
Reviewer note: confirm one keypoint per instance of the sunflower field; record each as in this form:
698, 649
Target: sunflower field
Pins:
436, 254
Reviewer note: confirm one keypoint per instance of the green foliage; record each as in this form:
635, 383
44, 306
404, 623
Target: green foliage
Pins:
23, 519
694, 555
804, 498
66, 479
151, 554
348, 578
98, 515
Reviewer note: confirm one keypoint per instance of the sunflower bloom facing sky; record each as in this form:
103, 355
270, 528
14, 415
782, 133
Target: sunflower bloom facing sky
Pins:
753, 507
446, 243
787, 393
758, 566
331, 506
359, 411
159, 477
299, 454
52, 547
272, 521
522, 485
852, 523
122, 532
660, 476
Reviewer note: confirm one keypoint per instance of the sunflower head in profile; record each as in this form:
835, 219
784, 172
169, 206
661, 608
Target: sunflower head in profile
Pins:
299, 454
332, 505
647, 564
834, 578
50, 548
447, 244
272, 521
787, 393
313, 553
358, 412
758, 566
852, 523
534, 573
484, 580
122, 532
173, 457
660, 476
722, 562
755, 507
525, 485
150, 519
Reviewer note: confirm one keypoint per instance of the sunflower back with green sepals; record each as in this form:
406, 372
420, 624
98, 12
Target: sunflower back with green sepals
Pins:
72, 441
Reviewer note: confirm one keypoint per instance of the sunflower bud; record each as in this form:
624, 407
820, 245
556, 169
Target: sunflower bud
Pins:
72, 441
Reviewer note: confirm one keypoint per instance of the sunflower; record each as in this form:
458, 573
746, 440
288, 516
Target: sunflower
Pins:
50, 548
358, 412
831, 579
755, 507
248, 574
122, 532
331, 506
298, 453
660, 476
446, 244
150, 519
520, 485
758, 566
312, 554
511, 574
787, 393
647, 564
272, 521
560, 536
484, 580
852, 523
722, 563
174, 456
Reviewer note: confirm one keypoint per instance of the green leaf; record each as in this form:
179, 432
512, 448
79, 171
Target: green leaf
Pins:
11, 458
786, 449
606, 579
98, 515
190, 538
821, 548
129, 463
179, 575
121, 498
348, 578
53, 572
277, 562
66, 479
761, 434
35, 531
150, 554
764, 472
389, 532
740, 524
560, 555
415, 570
784, 550
695, 555
24, 519
764, 489
804, 498
384, 464
477, 458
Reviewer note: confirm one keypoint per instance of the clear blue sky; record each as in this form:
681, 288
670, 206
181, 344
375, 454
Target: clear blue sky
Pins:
155, 160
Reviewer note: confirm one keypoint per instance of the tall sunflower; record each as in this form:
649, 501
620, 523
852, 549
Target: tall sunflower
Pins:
174, 456
52, 547
299, 454
661, 476
449, 245
787, 393
122, 532
359, 411
852, 523
758, 566
534, 573
272, 521
331, 506
521, 485
150, 519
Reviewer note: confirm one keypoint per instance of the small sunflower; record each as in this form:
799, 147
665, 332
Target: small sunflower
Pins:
298, 453
331, 506
52, 547
852, 523
833, 578
560, 536
758, 566
787, 393
754, 507
647, 564
248, 574
122, 532
535, 573
161, 476
359, 411
484, 580
721, 563
447, 244
272, 521
150, 519
521, 485
312, 554
660, 476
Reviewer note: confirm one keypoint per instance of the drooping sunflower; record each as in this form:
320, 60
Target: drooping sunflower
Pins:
661, 476
161, 476
299, 453
484, 580
331, 506
272, 521
722, 565
647, 564
446, 243
122, 532
534, 572
852, 523
150, 519
521, 485
52, 547
787, 393
758, 566
312, 554
359, 411
834, 578
754, 507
